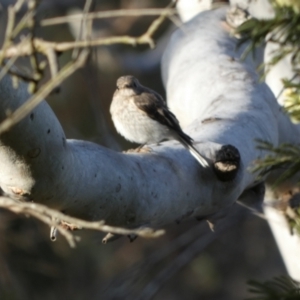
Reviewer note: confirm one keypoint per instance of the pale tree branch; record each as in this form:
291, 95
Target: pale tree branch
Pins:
219, 101
30, 46
152, 189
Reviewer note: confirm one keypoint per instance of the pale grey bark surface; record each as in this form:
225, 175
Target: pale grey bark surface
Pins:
261, 9
187, 9
218, 100
288, 244
87, 180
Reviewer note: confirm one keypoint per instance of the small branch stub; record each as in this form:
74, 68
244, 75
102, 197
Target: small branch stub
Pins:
110, 237
227, 163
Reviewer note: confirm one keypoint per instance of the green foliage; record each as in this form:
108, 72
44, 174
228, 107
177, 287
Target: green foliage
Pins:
294, 220
284, 30
292, 100
279, 288
286, 158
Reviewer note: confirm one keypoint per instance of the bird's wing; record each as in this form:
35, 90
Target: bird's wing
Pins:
155, 108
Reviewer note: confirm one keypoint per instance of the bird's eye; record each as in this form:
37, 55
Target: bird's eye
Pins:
131, 85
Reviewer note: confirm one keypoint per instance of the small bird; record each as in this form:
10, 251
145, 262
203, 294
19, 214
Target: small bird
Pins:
142, 116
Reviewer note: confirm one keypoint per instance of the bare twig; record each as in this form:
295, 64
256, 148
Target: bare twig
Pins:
43, 46
7, 66
38, 97
12, 10
52, 60
152, 29
111, 14
13, 29
31, 24
57, 219
83, 32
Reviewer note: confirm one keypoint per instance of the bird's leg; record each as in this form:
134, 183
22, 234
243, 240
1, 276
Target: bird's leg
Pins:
143, 149
139, 148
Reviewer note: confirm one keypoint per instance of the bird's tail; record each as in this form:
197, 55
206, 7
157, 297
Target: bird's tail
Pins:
188, 145
202, 161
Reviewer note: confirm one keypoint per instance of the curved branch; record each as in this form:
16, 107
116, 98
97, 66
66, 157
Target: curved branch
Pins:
209, 89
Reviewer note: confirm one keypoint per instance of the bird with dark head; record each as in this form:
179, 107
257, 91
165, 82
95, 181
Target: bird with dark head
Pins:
142, 116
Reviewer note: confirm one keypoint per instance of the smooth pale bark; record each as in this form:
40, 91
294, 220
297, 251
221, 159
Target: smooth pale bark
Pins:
87, 180
208, 88
261, 9
288, 244
211, 77
187, 9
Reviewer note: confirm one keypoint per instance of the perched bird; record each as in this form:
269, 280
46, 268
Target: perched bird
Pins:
142, 116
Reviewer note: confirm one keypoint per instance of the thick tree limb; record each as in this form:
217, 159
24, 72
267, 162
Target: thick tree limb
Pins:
84, 179
209, 89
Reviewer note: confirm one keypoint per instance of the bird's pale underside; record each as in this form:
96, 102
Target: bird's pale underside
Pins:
141, 116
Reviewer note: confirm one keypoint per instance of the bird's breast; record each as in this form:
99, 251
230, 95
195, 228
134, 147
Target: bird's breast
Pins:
134, 124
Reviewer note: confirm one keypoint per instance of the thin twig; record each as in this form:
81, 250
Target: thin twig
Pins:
40, 45
55, 218
31, 24
7, 66
22, 23
110, 14
44, 91
52, 60
13, 29
83, 23
148, 35
70, 238
44, 46
253, 210
8, 32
